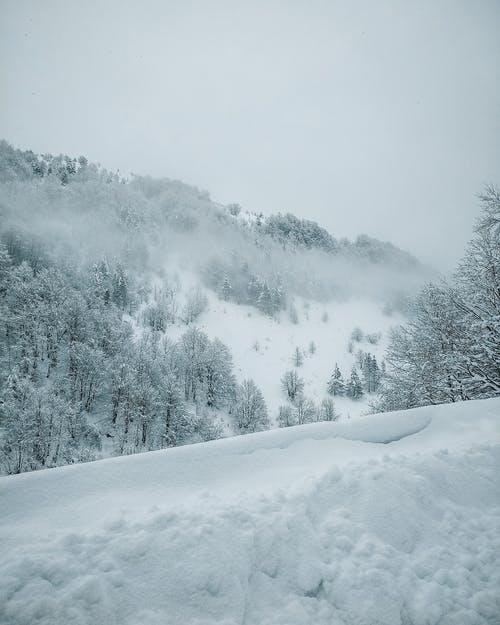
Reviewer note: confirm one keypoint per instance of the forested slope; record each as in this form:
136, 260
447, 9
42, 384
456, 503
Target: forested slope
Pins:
92, 275
123, 302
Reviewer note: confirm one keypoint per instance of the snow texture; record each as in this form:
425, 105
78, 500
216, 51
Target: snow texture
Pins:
391, 519
262, 347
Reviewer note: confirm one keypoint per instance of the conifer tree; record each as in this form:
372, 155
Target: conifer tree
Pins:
371, 373
265, 301
297, 358
354, 387
120, 287
336, 384
226, 289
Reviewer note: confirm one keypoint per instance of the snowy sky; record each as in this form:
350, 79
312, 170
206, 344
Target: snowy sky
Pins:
378, 117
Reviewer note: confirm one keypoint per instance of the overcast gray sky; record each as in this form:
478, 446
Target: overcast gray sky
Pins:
369, 116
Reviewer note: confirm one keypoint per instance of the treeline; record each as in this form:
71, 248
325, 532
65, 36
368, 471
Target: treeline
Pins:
365, 377
235, 281
145, 222
295, 233
450, 349
299, 408
85, 366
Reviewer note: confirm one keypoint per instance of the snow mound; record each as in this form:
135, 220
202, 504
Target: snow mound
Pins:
391, 519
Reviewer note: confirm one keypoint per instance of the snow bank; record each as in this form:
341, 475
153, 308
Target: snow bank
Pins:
391, 519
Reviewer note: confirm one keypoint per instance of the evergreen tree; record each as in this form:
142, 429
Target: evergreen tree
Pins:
226, 289
120, 290
278, 298
297, 358
336, 384
265, 301
354, 388
371, 373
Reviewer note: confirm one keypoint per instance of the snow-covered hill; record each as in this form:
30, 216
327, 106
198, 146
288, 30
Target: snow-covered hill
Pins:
262, 347
387, 519
116, 289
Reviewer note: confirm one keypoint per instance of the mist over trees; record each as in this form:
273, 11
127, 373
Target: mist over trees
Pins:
86, 299
55, 202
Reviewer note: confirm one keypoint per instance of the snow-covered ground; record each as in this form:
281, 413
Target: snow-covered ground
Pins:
386, 519
262, 348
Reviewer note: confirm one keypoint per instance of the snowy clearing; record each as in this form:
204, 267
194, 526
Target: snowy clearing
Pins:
262, 347
388, 519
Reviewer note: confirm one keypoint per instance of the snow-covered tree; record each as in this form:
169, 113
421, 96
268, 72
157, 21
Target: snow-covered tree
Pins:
120, 290
218, 379
477, 297
40, 428
293, 315
292, 384
336, 384
265, 301
286, 416
327, 411
155, 316
450, 349
226, 289
371, 372
250, 409
354, 387
196, 304
175, 425
304, 409
357, 335
297, 358
192, 347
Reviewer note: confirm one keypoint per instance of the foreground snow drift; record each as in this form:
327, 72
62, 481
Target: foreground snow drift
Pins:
392, 519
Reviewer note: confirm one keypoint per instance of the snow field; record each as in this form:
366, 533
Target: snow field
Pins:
262, 348
391, 519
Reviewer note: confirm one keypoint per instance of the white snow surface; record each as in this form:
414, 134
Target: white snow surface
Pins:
262, 347
387, 519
